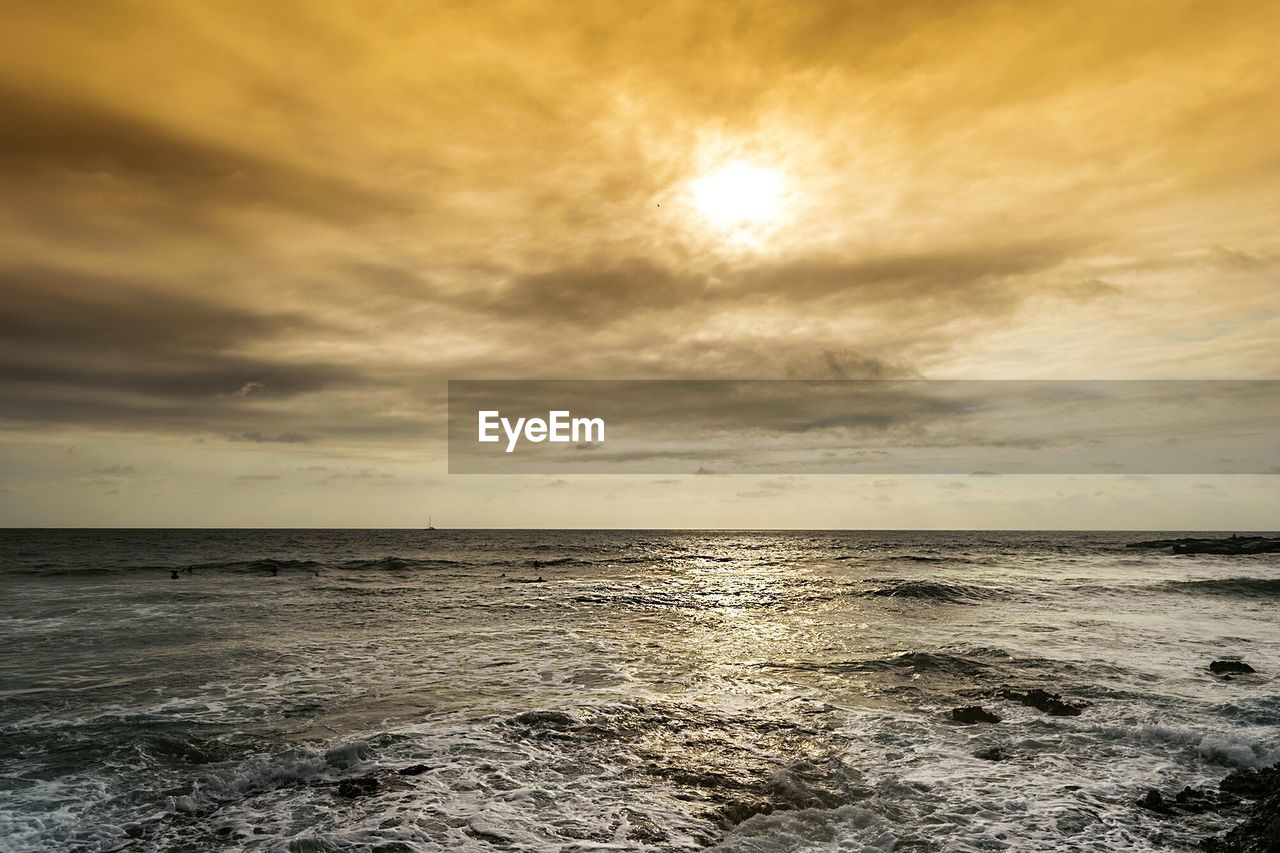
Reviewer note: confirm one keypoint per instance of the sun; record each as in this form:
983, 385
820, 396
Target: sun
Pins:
739, 195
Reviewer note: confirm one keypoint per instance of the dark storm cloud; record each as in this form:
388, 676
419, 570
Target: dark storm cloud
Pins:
101, 350
602, 292
100, 313
49, 140
986, 278
846, 364
187, 375
992, 274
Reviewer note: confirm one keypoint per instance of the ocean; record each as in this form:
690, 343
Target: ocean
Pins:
402, 690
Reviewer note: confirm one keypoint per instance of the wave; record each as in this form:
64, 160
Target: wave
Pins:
55, 571
381, 563
371, 592
256, 565
639, 600
253, 566
1248, 587
704, 599
950, 593
967, 663
248, 566
942, 662
538, 563
926, 559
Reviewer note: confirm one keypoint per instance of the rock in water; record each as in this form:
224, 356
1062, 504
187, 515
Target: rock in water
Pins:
1250, 796
1232, 546
1042, 700
1259, 832
1198, 800
362, 786
1222, 667
971, 714
414, 770
1153, 801
543, 719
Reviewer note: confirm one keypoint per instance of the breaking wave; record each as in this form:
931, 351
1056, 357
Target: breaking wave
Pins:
1246, 587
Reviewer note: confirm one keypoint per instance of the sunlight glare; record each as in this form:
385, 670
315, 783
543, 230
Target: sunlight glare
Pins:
738, 195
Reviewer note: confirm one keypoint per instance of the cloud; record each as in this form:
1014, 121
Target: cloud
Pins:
99, 350
92, 482
260, 438
87, 312
356, 476
250, 389
605, 291
985, 278
117, 470
845, 364
782, 484
202, 241
1093, 289
773, 487
52, 141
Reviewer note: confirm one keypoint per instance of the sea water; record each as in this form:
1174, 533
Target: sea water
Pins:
562, 690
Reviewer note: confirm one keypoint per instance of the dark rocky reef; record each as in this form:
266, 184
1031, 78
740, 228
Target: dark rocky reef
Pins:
1231, 546
414, 770
1227, 667
1188, 801
1259, 831
361, 786
971, 714
358, 787
1042, 700
1251, 796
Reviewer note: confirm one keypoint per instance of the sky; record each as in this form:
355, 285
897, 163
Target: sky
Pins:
244, 245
